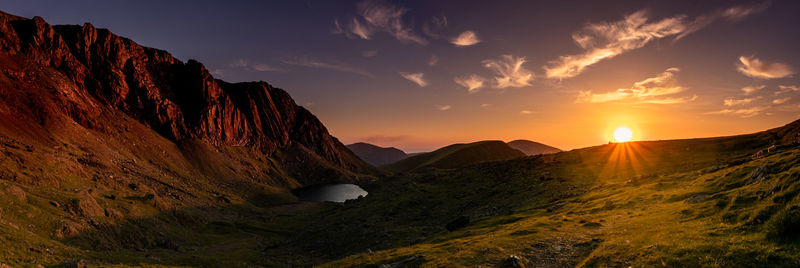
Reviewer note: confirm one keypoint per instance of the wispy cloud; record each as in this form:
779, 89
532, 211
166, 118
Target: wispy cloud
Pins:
651, 90
336, 66
754, 67
744, 113
526, 112
781, 101
443, 107
417, 78
245, 65
606, 40
485, 105
473, 83
434, 26
379, 16
736, 102
369, 53
784, 89
748, 90
433, 60
467, 38
509, 71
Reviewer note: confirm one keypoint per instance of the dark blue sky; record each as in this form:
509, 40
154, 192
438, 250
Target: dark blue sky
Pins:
570, 75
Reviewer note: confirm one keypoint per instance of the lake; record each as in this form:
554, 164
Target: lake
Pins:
331, 192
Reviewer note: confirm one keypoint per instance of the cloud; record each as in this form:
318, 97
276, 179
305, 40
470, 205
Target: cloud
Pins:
385, 138
379, 16
731, 14
754, 67
752, 89
605, 40
781, 101
415, 77
651, 90
509, 71
369, 53
443, 107
244, 65
341, 67
466, 38
436, 24
473, 83
784, 89
735, 102
433, 60
485, 105
525, 112
744, 113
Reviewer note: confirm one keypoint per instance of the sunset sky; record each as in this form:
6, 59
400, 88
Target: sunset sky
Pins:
419, 75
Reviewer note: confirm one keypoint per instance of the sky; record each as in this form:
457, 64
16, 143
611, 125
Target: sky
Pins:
419, 75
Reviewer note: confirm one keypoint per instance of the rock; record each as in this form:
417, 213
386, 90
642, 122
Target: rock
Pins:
55, 204
3, 265
513, 261
413, 261
458, 223
757, 175
114, 214
697, 199
17, 192
73, 264
68, 229
101, 71
86, 206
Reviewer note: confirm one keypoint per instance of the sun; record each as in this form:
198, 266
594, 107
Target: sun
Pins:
623, 134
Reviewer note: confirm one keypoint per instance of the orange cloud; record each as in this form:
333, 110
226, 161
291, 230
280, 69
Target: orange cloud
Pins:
754, 67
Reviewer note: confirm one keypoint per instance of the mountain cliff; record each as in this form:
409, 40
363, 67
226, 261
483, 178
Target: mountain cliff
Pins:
68, 73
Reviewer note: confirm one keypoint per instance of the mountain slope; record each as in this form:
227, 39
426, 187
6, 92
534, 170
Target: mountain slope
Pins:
375, 155
675, 203
78, 73
532, 147
456, 155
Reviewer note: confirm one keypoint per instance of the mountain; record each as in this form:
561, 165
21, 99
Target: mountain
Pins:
62, 85
456, 155
375, 155
532, 147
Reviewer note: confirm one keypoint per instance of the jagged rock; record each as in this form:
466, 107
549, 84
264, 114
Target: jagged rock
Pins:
92, 70
513, 261
17, 192
68, 229
458, 223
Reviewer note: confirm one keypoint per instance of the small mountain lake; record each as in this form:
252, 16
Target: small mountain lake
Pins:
331, 192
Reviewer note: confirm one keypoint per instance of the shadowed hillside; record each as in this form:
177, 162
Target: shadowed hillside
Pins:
377, 156
532, 147
456, 155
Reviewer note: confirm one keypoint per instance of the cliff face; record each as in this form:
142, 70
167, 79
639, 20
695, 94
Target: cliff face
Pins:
81, 72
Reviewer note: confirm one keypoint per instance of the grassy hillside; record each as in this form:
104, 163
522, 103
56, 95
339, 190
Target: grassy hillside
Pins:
456, 155
532, 147
697, 202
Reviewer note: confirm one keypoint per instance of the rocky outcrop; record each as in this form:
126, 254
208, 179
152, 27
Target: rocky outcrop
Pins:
92, 70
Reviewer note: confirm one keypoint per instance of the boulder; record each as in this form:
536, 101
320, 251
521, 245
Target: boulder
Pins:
458, 223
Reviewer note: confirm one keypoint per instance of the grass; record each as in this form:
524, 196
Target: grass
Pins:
700, 202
